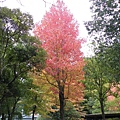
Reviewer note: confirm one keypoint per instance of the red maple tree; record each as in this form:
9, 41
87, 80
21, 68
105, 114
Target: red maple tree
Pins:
59, 32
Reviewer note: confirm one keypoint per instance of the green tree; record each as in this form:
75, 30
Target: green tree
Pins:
35, 101
112, 53
19, 52
106, 20
11, 104
98, 79
105, 31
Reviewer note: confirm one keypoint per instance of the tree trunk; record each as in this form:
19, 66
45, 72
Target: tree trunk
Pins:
14, 106
9, 117
33, 114
61, 99
9, 114
102, 109
3, 116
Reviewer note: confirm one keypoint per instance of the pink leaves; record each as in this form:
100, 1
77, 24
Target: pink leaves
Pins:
58, 32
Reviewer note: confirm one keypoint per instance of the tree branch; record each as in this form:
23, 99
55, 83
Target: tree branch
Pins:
49, 81
2, 0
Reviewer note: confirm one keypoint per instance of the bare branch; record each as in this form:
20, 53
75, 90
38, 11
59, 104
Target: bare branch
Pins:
2, 0
47, 2
44, 2
19, 2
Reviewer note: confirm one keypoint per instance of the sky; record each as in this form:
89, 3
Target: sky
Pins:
37, 8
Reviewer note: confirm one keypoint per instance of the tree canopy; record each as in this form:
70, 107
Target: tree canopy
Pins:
106, 19
18, 54
58, 32
104, 29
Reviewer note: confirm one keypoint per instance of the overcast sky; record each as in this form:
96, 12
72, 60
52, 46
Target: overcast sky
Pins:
37, 8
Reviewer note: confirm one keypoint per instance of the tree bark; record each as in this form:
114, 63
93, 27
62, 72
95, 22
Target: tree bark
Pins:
9, 117
102, 109
33, 114
61, 99
3, 116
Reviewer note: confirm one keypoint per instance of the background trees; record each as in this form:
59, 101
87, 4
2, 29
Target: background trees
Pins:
58, 32
106, 20
98, 79
18, 54
105, 30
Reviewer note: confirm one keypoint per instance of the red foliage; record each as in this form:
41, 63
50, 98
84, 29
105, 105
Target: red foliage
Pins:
59, 32
74, 91
114, 90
